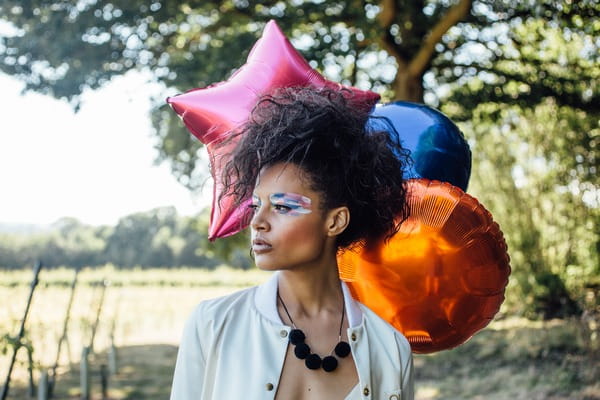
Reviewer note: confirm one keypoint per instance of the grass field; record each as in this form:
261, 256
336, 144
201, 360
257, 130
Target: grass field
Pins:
145, 312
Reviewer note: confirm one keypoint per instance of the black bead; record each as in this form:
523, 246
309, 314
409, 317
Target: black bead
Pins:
313, 361
296, 336
329, 363
342, 349
302, 351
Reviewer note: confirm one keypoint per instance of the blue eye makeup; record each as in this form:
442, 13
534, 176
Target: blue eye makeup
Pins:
255, 204
292, 204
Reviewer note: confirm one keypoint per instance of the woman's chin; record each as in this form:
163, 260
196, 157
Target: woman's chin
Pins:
267, 266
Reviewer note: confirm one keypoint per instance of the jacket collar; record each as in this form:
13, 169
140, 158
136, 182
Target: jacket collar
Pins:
265, 300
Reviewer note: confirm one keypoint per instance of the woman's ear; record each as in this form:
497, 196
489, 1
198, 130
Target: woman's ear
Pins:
337, 220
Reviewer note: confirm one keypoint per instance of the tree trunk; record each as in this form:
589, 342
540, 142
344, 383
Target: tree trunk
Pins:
408, 83
407, 87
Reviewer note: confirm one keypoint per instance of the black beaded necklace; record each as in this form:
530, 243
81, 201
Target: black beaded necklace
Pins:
302, 350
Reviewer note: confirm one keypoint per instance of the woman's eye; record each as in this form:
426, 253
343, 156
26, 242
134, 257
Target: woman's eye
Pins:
253, 207
280, 208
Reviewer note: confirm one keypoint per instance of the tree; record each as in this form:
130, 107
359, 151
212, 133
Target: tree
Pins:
479, 60
156, 238
140, 239
545, 200
536, 162
404, 49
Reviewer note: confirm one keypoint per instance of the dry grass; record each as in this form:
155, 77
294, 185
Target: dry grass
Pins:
148, 309
516, 359
511, 359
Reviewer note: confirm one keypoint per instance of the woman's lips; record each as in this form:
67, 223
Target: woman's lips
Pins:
260, 246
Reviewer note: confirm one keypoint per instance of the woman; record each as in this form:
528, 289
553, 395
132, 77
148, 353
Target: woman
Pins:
319, 182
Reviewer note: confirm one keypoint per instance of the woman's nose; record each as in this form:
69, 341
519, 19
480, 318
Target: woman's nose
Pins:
259, 221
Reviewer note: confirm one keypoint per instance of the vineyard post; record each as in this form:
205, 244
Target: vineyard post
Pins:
104, 381
84, 374
43, 385
30, 370
18, 343
112, 351
103, 284
63, 338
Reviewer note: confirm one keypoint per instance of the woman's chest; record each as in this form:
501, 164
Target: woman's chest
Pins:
297, 382
250, 358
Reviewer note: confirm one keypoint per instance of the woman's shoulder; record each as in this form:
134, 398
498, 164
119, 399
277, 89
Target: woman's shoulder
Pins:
223, 304
234, 306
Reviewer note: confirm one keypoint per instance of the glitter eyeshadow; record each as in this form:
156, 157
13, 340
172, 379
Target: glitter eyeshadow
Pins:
298, 204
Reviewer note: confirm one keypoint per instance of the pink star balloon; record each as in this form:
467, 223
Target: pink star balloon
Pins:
213, 113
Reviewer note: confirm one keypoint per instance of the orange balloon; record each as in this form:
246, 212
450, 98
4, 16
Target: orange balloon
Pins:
442, 277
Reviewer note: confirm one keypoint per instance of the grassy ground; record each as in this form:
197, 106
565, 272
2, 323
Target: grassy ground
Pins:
510, 359
516, 359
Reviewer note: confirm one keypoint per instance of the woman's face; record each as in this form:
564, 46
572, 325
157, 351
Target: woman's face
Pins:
289, 228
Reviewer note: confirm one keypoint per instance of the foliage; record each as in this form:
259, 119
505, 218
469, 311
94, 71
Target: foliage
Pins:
404, 49
545, 199
536, 170
521, 76
13, 344
149, 239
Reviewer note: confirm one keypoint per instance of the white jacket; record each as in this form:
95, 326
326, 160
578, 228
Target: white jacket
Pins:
234, 347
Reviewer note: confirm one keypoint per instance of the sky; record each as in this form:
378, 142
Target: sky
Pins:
96, 165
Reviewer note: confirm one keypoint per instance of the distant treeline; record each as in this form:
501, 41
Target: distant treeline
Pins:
157, 238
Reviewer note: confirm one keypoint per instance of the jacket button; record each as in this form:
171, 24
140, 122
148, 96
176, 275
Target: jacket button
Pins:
283, 333
394, 397
353, 337
269, 386
366, 391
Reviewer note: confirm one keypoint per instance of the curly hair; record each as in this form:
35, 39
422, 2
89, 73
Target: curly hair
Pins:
326, 134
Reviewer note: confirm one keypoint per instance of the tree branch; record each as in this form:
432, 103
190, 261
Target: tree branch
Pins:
387, 14
420, 61
386, 19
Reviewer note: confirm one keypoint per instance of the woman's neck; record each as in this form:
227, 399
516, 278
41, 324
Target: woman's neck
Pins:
309, 292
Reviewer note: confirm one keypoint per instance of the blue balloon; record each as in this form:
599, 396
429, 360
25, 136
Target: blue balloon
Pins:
437, 147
